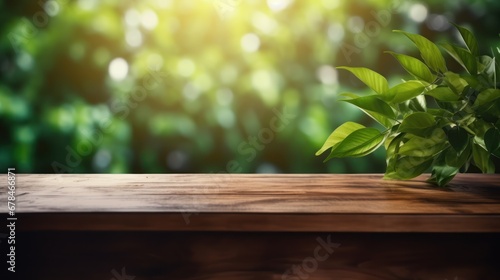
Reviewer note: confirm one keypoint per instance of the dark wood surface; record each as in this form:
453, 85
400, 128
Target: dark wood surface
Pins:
232, 227
214, 202
251, 193
258, 256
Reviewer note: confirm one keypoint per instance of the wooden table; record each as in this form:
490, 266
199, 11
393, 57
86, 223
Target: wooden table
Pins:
207, 226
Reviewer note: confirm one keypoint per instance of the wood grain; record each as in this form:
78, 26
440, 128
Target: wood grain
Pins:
366, 194
257, 256
255, 227
252, 222
286, 202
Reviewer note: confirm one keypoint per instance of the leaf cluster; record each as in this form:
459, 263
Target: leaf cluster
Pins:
438, 120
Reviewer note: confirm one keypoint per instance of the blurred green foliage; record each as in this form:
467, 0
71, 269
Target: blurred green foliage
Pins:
199, 85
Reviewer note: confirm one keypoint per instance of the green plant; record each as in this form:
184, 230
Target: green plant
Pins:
439, 120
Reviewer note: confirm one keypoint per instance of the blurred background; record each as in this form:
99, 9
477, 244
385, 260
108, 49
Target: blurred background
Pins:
158, 86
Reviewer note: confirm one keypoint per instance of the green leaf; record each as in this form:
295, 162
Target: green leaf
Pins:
442, 173
404, 108
455, 82
409, 167
404, 91
424, 147
418, 104
469, 40
421, 147
392, 145
376, 108
428, 50
372, 103
459, 160
486, 97
479, 132
492, 140
462, 56
479, 127
440, 113
482, 159
489, 112
371, 78
443, 94
486, 66
415, 67
420, 123
450, 106
468, 110
359, 143
458, 138
338, 135
471, 80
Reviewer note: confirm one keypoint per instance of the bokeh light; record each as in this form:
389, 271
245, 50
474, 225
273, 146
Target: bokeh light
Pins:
418, 12
188, 86
118, 69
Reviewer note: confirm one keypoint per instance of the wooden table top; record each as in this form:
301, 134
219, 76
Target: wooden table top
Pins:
255, 202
